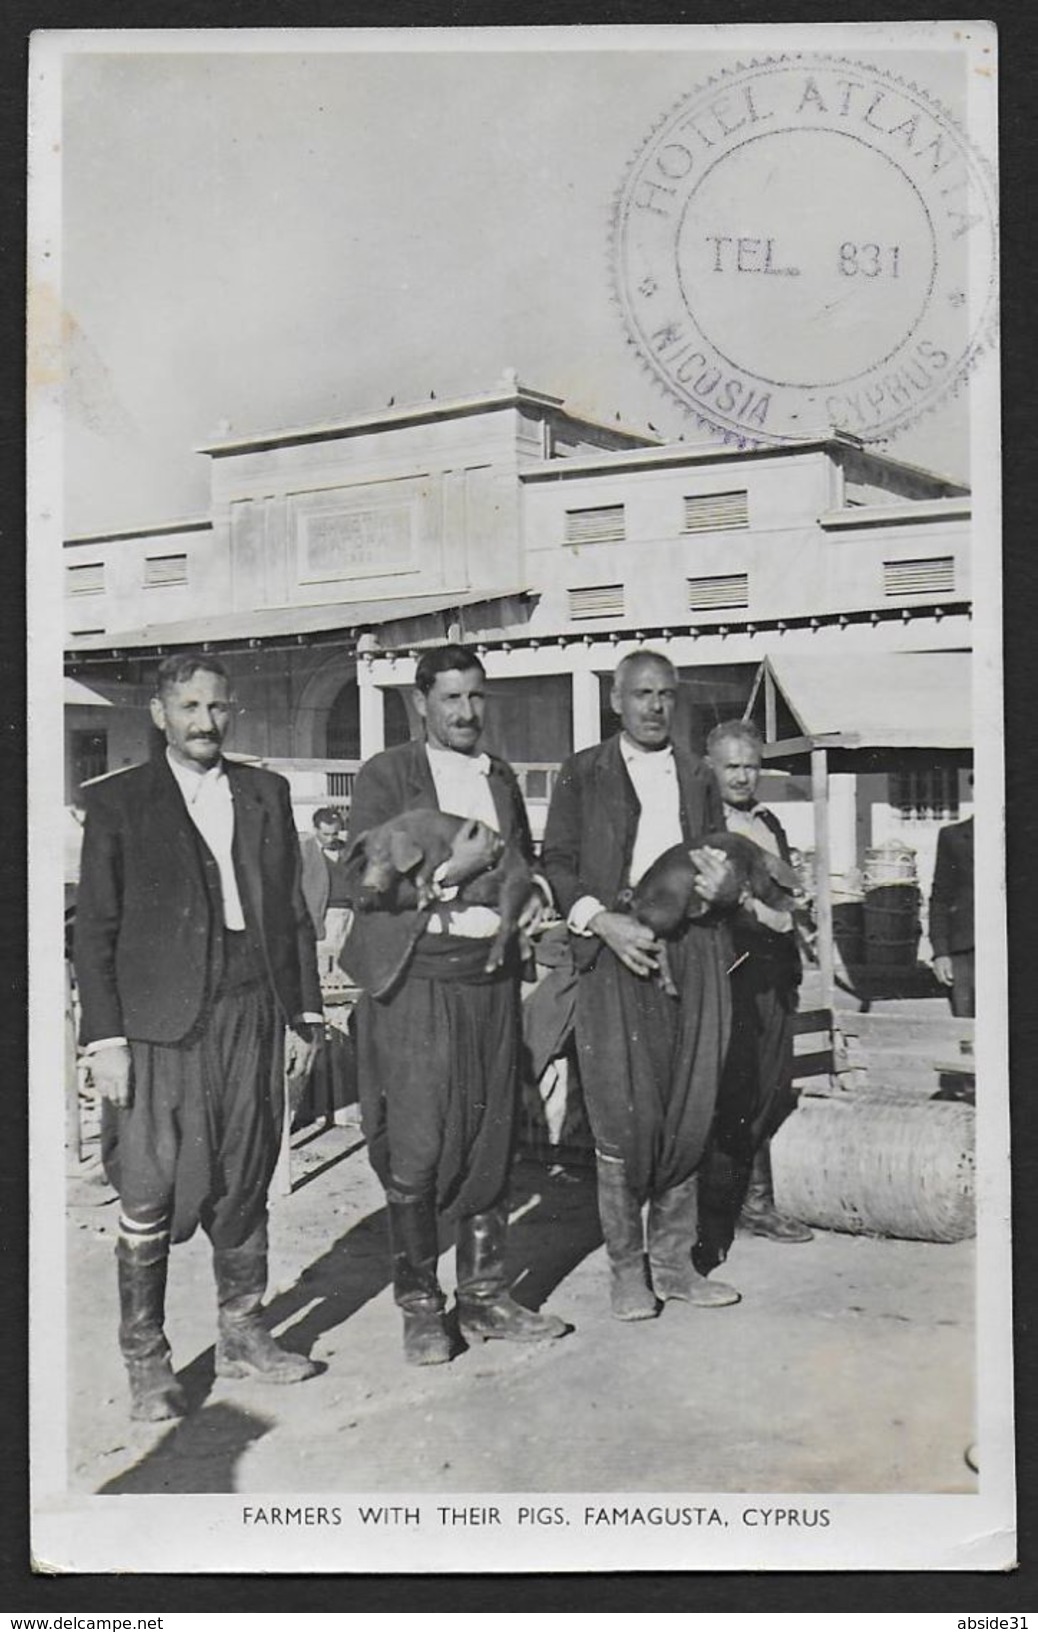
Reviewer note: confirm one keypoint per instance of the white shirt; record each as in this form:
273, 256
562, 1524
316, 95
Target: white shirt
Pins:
654, 777
461, 784
210, 806
463, 789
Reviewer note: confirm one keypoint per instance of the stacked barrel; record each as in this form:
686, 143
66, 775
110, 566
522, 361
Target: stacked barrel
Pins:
892, 902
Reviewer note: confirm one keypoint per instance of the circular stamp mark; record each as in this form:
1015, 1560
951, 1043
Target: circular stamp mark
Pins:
807, 242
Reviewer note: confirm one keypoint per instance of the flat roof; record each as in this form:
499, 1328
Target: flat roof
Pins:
393, 417
674, 454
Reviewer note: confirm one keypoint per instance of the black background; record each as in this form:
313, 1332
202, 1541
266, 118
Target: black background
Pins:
958, 1593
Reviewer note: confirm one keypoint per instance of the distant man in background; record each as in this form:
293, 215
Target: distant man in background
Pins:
193, 951
325, 886
650, 1064
951, 917
756, 1092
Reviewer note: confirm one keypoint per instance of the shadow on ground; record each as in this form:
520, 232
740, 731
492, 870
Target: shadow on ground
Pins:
555, 1226
196, 1457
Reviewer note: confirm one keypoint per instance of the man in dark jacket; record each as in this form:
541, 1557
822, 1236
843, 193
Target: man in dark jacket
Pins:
193, 952
951, 916
649, 1064
437, 1037
756, 1092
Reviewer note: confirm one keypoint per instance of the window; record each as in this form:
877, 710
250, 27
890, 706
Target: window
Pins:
935, 575
89, 756
86, 579
165, 569
721, 590
930, 795
716, 512
597, 601
601, 525
339, 784
342, 728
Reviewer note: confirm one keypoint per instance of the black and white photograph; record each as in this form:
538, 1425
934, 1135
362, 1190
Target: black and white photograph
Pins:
516, 789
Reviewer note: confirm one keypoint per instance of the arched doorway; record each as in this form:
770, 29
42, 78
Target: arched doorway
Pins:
342, 726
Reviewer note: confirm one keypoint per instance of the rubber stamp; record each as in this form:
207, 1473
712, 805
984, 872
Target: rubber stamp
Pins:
807, 242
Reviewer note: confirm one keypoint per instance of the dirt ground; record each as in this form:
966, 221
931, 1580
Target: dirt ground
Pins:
848, 1365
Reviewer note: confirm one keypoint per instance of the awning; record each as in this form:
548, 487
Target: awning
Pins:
77, 695
271, 623
882, 700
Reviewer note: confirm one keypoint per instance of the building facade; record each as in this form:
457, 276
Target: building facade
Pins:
332, 554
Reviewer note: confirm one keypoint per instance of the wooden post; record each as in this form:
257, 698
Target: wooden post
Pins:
823, 864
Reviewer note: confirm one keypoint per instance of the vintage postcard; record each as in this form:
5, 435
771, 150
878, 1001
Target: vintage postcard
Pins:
684, 1244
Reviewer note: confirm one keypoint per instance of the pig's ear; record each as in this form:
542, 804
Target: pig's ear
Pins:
782, 873
405, 852
357, 848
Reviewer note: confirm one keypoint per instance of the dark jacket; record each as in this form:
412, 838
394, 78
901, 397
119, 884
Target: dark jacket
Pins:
145, 915
316, 880
951, 901
379, 944
593, 822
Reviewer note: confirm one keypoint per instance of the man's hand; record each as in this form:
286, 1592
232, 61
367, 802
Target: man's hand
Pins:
111, 1073
634, 943
533, 914
474, 849
942, 968
300, 1053
714, 877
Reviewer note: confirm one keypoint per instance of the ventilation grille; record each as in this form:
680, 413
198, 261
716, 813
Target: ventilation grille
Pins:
600, 601
716, 512
602, 525
165, 569
88, 579
933, 576
711, 594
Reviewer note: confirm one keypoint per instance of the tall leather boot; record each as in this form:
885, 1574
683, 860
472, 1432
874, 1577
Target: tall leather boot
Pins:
759, 1215
155, 1394
414, 1249
244, 1347
486, 1308
620, 1214
673, 1227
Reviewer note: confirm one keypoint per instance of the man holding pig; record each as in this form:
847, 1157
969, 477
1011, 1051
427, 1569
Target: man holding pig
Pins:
437, 1035
650, 1063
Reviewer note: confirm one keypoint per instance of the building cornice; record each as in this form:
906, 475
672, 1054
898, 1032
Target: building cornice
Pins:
895, 515
421, 413
671, 455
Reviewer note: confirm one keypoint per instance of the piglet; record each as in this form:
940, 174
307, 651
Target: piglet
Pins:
665, 897
396, 863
